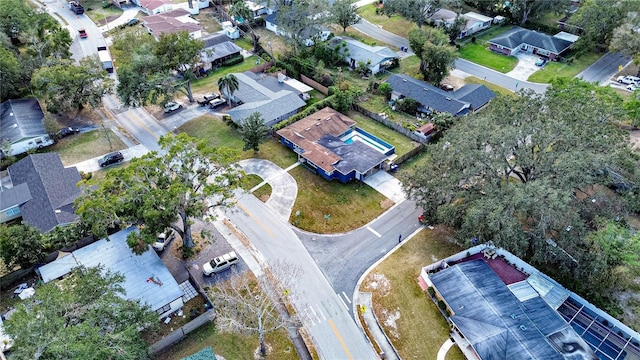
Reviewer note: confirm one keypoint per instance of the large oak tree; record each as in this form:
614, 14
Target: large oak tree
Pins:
159, 190
533, 174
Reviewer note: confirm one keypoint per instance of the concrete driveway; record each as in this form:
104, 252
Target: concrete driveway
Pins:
284, 188
525, 67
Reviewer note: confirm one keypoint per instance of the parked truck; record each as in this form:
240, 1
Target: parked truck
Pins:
105, 59
76, 7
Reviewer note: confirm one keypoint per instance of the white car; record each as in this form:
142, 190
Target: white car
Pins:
633, 87
164, 239
628, 80
172, 106
220, 263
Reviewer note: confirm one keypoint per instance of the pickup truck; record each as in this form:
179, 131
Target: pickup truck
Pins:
76, 7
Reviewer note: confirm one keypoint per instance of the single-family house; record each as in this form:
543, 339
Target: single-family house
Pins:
217, 49
534, 42
469, 98
308, 36
329, 143
41, 190
475, 22
146, 278
274, 100
500, 307
151, 7
377, 58
257, 10
172, 22
22, 127
443, 16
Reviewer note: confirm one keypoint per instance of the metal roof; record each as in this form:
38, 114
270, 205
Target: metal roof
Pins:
497, 324
146, 276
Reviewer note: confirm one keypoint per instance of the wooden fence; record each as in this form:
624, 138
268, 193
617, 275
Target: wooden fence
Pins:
390, 124
314, 84
179, 334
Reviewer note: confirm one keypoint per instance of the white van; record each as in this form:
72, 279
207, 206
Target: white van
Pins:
220, 263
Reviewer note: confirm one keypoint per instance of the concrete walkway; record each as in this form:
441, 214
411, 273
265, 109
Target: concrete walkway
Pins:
129, 13
371, 321
387, 185
444, 349
284, 188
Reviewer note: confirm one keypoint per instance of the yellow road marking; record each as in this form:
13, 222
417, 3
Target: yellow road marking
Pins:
139, 122
344, 346
262, 225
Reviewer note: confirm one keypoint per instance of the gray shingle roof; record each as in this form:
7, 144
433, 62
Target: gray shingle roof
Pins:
355, 156
115, 255
363, 52
475, 94
427, 94
20, 118
259, 98
16, 195
52, 187
521, 36
497, 324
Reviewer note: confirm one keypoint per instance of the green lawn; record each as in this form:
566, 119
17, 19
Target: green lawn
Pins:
493, 87
99, 15
409, 66
554, 70
219, 134
230, 346
210, 83
395, 24
420, 329
480, 54
84, 146
349, 206
402, 143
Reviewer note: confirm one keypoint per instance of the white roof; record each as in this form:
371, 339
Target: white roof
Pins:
298, 85
566, 36
477, 16
115, 255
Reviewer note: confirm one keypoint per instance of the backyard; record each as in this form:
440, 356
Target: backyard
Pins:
410, 319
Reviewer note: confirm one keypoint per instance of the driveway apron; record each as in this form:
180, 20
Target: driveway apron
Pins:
284, 188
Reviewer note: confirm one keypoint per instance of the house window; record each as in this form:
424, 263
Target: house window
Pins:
164, 309
13, 211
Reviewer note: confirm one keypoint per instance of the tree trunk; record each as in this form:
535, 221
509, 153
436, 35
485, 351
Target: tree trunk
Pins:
263, 348
187, 239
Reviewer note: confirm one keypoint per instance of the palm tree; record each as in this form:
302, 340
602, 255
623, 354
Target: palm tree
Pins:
228, 84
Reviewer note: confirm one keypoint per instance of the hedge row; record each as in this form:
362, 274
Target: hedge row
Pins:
328, 101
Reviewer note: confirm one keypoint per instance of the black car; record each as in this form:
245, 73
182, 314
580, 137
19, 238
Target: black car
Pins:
109, 159
64, 132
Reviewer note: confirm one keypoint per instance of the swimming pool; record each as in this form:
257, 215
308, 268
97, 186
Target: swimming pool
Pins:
364, 137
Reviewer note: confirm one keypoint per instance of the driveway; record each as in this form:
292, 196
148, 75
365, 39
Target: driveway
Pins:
284, 188
525, 67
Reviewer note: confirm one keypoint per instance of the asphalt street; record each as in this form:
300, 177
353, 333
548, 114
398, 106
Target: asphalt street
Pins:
344, 258
602, 70
323, 312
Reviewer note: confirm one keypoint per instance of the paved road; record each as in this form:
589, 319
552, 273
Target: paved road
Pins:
344, 258
602, 70
497, 78
379, 33
322, 311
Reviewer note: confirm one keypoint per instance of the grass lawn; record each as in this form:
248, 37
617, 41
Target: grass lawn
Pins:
419, 329
493, 87
410, 66
402, 143
210, 83
479, 54
349, 206
84, 146
219, 134
395, 24
554, 70
353, 33
100, 15
230, 346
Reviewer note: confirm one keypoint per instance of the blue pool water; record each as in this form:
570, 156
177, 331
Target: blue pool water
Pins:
365, 138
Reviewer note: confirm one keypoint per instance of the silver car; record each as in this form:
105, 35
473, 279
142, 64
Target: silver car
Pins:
164, 239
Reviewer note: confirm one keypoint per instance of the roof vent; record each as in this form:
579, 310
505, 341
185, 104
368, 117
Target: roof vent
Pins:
405, 80
448, 99
425, 89
58, 211
307, 129
317, 124
523, 328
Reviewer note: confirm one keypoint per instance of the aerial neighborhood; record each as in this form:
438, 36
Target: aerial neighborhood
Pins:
321, 179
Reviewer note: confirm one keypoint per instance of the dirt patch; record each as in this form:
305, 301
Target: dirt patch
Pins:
454, 81
389, 319
386, 203
378, 283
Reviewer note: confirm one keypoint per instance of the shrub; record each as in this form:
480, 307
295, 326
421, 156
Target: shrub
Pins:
431, 291
442, 305
408, 105
385, 90
234, 60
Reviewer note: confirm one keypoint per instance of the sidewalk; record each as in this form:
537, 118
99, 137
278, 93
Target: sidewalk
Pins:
129, 13
371, 322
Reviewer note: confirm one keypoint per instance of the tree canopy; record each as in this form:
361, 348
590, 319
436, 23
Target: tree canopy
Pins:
436, 56
523, 10
253, 131
418, 11
598, 19
344, 14
21, 245
66, 86
153, 71
83, 316
160, 190
626, 37
302, 20
533, 171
